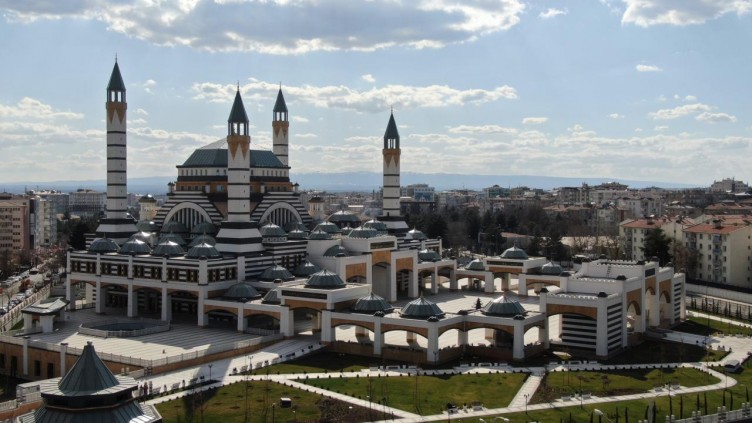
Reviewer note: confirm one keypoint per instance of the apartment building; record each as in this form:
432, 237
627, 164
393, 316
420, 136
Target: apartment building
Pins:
14, 224
723, 252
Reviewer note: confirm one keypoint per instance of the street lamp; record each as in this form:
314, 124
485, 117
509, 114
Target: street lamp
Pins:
210, 367
598, 412
526, 398
274, 407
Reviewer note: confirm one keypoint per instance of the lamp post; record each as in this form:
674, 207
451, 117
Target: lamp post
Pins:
598, 412
526, 398
210, 367
274, 407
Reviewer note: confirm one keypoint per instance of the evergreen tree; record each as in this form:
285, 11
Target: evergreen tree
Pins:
657, 244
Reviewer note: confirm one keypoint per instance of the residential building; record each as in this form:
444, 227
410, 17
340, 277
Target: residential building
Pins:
723, 252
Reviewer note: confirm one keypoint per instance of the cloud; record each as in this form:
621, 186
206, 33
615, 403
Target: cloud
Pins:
552, 13
483, 129
285, 26
648, 68
377, 99
149, 85
679, 111
35, 109
616, 116
660, 128
142, 112
299, 119
368, 78
715, 117
647, 13
534, 120
690, 98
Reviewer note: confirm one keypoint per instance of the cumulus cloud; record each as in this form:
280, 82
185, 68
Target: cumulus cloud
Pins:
647, 13
309, 25
534, 120
660, 128
483, 129
690, 98
552, 13
299, 119
368, 78
648, 68
616, 116
715, 117
32, 108
377, 99
680, 111
149, 85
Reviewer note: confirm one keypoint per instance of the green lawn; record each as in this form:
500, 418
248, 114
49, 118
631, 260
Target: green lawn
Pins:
618, 382
650, 352
228, 404
320, 363
699, 326
429, 394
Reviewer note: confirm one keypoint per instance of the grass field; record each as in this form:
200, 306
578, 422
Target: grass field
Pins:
705, 327
429, 394
621, 382
228, 404
319, 363
651, 351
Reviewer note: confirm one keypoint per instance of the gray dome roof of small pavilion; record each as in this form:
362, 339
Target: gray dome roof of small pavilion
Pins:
415, 235
305, 269
328, 227
215, 155
336, 251
318, 234
203, 250
296, 234
147, 237
514, 253
177, 239
294, 224
551, 269
344, 216
272, 297
428, 255
135, 246
204, 228
276, 272
476, 264
421, 308
241, 292
325, 280
147, 226
362, 232
372, 303
103, 246
503, 306
376, 224
203, 239
174, 226
273, 231
168, 248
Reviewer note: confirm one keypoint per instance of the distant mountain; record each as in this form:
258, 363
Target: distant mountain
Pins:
358, 181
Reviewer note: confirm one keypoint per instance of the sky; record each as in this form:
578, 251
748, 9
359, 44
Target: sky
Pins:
653, 90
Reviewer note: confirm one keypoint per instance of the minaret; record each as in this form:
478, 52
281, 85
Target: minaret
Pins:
391, 189
280, 126
116, 225
237, 234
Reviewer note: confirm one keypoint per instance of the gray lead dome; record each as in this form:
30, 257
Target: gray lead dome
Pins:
371, 304
514, 253
421, 308
503, 306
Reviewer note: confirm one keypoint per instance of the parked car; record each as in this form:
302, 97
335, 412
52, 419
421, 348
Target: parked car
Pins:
3, 310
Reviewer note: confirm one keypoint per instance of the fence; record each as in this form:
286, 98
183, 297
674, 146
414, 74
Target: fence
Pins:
14, 315
156, 326
730, 309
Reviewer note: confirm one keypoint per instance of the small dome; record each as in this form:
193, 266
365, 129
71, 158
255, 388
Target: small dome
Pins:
476, 264
203, 239
241, 292
204, 228
346, 230
428, 255
273, 273
514, 253
306, 269
325, 280
344, 218
415, 235
148, 198
177, 239
363, 232
147, 237
327, 227
272, 297
293, 225
135, 246
203, 250
319, 234
173, 226
336, 251
103, 246
551, 269
270, 230
296, 234
147, 226
503, 306
168, 248
376, 224
371, 304
421, 308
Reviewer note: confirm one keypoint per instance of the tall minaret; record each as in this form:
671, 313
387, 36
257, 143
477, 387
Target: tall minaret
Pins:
116, 225
280, 126
237, 234
391, 190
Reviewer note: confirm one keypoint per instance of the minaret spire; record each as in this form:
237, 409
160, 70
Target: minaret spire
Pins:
116, 224
391, 215
280, 128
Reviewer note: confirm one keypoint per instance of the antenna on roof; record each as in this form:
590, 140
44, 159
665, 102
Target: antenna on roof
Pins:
115, 57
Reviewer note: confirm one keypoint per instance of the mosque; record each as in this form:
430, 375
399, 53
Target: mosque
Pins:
234, 247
